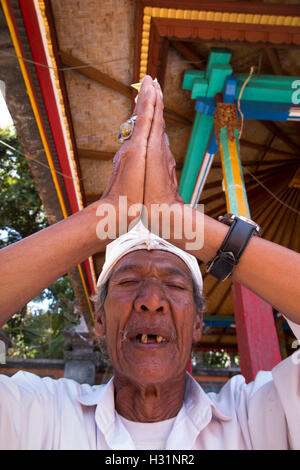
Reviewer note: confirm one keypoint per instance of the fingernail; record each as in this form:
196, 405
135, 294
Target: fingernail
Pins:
160, 91
159, 87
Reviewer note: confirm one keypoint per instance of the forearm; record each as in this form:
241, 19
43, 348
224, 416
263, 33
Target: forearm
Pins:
273, 273
30, 265
269, 270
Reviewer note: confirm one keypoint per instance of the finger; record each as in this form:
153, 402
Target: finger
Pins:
146, 82
129, 161
158, 124
145, 112
159, 153
165, 139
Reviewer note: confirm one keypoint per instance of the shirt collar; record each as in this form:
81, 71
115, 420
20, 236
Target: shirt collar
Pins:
197, 402
196, 413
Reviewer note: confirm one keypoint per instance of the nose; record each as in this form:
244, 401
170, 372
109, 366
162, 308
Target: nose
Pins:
151, 298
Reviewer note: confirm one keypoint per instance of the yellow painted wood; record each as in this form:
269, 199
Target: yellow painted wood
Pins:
225, 183
238, 183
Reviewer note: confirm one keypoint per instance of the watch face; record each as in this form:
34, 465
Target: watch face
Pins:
229, 218
245, 219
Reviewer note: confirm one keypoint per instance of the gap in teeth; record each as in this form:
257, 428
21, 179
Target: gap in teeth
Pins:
143, 338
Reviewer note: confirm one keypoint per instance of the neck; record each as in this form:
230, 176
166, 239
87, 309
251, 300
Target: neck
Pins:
148, 403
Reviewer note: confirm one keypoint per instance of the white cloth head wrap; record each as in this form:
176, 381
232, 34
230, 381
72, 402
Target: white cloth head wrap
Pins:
140, 238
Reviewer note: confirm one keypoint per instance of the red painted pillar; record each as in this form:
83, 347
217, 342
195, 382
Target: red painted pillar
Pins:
189, 366
256, 332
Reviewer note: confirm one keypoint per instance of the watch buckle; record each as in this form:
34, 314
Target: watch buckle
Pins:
226, 256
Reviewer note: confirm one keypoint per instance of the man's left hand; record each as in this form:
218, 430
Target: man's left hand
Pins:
161, 186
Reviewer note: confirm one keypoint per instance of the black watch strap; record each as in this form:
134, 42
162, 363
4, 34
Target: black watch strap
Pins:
233, 246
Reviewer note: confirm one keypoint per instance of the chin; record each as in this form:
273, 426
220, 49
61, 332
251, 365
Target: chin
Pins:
153, 373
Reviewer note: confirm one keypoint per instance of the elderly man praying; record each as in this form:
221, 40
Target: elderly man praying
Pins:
149, 308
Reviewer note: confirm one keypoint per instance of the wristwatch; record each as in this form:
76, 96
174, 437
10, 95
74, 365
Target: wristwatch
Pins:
239, 235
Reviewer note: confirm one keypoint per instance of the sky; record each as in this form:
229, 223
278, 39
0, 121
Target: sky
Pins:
5, 118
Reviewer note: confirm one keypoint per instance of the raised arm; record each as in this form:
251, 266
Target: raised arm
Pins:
30, 265
269, 270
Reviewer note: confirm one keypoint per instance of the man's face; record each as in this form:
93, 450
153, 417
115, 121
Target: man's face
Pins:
150, 315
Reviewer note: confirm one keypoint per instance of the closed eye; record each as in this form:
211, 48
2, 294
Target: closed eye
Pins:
176, 286
128, 282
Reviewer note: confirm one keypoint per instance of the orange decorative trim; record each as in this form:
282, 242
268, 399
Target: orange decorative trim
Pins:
226, 18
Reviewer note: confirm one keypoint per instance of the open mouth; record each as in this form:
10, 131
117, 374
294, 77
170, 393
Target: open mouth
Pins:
150, 339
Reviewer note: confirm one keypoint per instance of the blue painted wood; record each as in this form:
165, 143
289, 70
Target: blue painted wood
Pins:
250, 109
205, 106
230, 89
264, 110
204, 168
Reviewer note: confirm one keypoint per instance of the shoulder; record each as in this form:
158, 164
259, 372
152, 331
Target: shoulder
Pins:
44, 413
237, 392
26, 385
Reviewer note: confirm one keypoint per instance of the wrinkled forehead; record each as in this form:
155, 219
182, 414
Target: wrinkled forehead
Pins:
156, 259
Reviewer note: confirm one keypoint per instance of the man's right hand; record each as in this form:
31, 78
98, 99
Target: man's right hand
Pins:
128, 173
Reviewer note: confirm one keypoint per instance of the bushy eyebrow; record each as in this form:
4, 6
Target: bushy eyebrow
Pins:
127, 267
165, 270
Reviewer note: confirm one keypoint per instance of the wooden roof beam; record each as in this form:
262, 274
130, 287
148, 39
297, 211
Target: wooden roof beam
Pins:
262, 147
274, 61
272, 185
281, 135
282, 234
274, 219
91, 72
261, 163
294, 243
187, 53
290, 157
94, 74
258, 211
213, 197
95, 154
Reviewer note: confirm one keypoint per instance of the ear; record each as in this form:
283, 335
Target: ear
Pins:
197, 328
100, 328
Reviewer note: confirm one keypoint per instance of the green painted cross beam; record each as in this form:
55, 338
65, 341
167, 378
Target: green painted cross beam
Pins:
265, 97
210, 82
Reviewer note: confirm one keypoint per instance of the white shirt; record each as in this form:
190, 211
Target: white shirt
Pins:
149, 436
43, 413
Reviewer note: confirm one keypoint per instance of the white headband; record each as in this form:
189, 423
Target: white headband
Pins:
140, 238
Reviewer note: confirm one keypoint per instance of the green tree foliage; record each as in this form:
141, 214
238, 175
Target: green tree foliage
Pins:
21, 212
34, 331
220, 358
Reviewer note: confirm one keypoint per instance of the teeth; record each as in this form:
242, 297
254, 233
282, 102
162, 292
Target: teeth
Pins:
159, 339
144, 339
